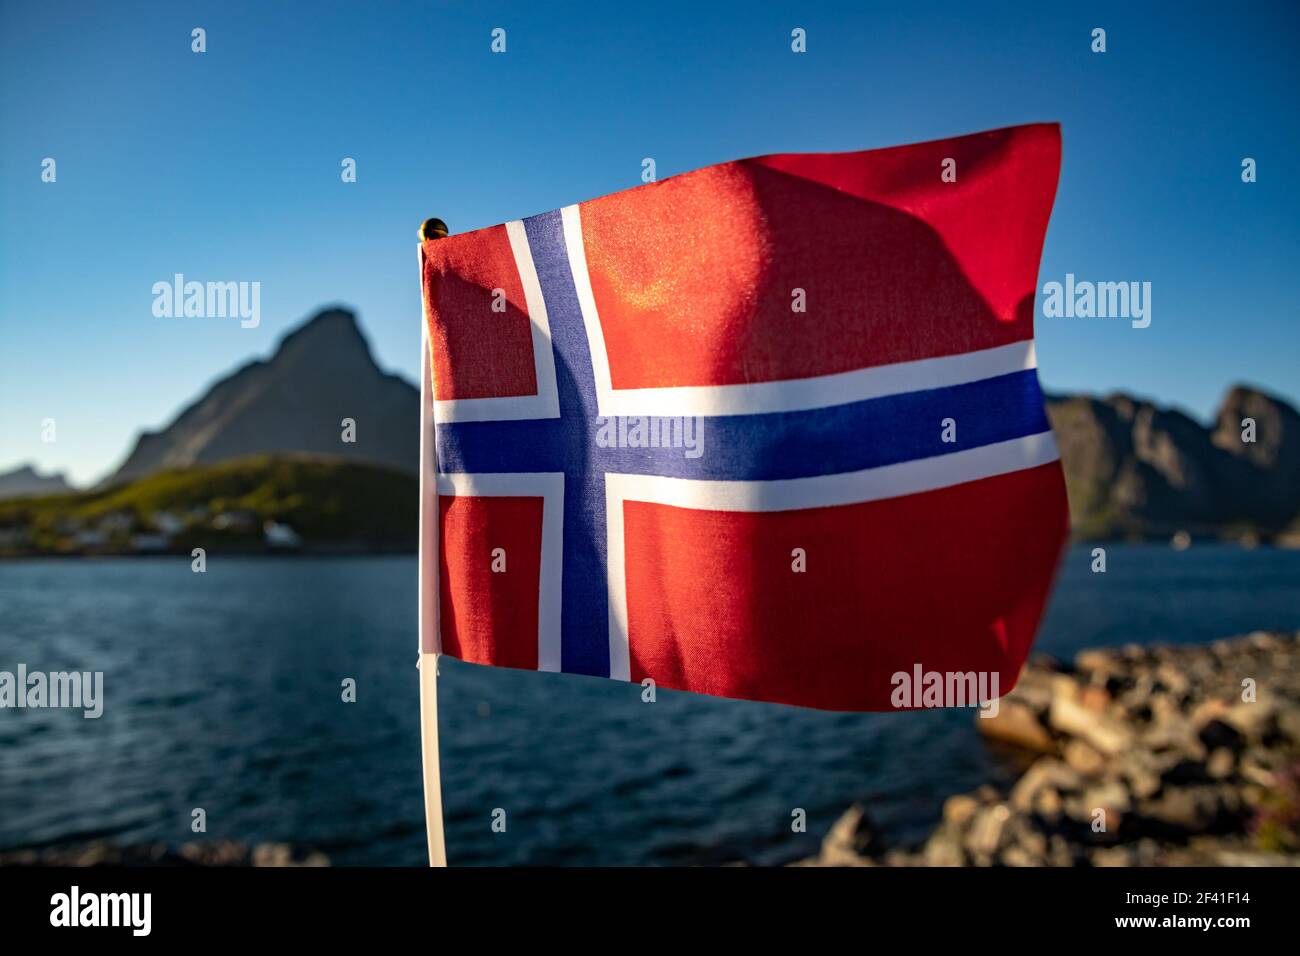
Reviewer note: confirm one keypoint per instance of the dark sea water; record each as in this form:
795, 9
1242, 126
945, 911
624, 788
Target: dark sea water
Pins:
222, 691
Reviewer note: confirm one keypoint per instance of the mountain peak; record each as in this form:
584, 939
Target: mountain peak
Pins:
331, 328
1242, 396
26, 480
295, 402
1276, 430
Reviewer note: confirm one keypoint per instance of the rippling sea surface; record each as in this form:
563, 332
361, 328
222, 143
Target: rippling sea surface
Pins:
222, 691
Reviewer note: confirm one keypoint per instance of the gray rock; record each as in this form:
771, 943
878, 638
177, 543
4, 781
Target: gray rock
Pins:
852, 839
1044, 772
1142, 781
1048, 804
1071, 718
988, 830
1084, 758
1113, 856
282, 854
1060, 852
1018, 724
1221, 764
1024, 834
1019, 856
959, 809
1112, 796
944, 848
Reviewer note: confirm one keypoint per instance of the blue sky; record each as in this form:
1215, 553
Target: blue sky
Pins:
225, 166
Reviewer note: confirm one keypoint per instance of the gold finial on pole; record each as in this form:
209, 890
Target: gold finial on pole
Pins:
433, 229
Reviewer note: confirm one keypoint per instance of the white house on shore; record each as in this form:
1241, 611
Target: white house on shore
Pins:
279, 535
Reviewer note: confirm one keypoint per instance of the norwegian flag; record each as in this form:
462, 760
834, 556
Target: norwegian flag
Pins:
851, 473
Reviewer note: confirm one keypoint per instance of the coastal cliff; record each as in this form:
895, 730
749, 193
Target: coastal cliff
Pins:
1135, 470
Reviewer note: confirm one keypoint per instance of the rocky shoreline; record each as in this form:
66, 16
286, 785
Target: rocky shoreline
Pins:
1141, 756
216, 853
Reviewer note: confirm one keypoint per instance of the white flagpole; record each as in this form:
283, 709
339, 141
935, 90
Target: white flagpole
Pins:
428, 602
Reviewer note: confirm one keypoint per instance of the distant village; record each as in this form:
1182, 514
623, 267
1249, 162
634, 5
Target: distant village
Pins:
159, 532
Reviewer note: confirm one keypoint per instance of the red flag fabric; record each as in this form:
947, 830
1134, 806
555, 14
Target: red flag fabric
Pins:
770, 429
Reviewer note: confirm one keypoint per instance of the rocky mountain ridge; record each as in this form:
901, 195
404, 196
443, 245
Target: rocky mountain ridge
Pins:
25, 481
1134, 469
294, 402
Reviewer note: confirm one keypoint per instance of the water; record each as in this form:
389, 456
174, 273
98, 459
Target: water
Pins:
222, 691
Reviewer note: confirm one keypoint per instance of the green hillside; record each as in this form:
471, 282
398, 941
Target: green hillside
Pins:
317, 504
